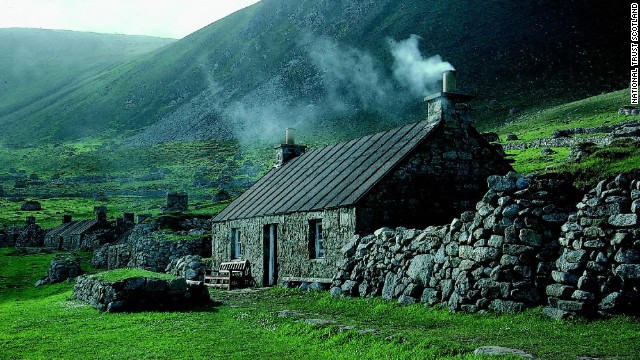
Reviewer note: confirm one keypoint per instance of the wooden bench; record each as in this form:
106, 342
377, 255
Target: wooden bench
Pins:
234, 274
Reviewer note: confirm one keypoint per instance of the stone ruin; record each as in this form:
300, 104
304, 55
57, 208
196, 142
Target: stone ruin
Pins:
525, 245
28, 236
140, 294
145, 250
176, 202
63, 267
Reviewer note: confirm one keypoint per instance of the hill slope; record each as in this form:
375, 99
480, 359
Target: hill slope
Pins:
319, 64
36, 62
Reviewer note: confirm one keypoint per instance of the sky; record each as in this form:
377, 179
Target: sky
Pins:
162, 18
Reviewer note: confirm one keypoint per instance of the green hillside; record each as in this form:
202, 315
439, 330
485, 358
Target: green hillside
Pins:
37, 63
318, 64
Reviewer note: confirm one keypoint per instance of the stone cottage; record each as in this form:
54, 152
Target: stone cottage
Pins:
293, 222
85, 234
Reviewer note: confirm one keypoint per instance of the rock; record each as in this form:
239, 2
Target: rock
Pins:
336, 292
501, 351
627, 256
31, 206
623, 220
63, 267
506, 306
628, 271
140, 294
564, 278
511, 211
530, 237
406, 300
556, 314
430, 296
511, 137
420, 269
482, 254
318, 322
559, 290
611, 302
349, 249
547, 151
389, 286
317, 286
499, 183
350, 287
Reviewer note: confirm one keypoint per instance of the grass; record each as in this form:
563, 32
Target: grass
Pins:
44, 322
590, 112
123, 274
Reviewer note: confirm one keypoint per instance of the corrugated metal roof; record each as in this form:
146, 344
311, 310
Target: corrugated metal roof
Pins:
72, 228
329, 177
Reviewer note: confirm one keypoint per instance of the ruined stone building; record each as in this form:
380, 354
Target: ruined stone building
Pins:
87, 234
293, 222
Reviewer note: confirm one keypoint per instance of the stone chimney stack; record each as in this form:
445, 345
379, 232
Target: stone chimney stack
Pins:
448, 105
101, 214
288, 150
66, 219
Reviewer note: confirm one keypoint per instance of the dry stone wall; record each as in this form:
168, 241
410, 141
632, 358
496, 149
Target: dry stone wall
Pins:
598, 272
140, 294
498, 257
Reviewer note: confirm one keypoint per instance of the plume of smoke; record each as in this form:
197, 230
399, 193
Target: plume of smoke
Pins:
410, 69
352, 78
339, 81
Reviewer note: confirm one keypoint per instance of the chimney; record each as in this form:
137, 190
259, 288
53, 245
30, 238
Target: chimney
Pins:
449, 81
101, 214
128, 217
448, 105
288, 150
66, 219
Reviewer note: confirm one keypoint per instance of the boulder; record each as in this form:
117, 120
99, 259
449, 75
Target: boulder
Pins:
420, 269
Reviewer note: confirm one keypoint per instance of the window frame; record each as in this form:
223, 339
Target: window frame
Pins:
317, 248
236, 247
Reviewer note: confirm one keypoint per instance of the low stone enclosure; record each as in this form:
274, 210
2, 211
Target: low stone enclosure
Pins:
527, 244
140, 294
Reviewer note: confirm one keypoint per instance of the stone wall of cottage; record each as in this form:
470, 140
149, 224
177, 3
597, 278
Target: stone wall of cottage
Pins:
293, 236
445, 176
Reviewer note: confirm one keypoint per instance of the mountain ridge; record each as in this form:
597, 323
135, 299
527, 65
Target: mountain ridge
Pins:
255, 72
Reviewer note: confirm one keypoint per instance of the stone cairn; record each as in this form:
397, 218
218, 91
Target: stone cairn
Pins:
598, 272
498, 257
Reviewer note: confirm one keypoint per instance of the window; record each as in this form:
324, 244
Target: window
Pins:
316, 240
236, 244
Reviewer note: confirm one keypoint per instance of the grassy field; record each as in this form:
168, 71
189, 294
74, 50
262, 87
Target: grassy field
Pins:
45, 322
